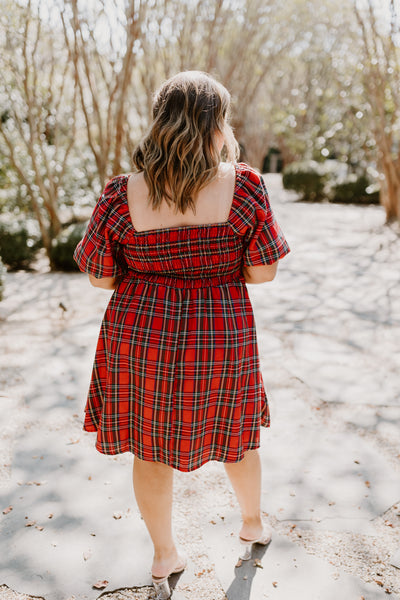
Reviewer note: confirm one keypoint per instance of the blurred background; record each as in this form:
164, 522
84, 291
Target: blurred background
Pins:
315, 89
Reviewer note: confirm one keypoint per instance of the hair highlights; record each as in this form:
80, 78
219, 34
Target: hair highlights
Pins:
180, 153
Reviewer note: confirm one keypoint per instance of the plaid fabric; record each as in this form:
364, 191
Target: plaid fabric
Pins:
176, 375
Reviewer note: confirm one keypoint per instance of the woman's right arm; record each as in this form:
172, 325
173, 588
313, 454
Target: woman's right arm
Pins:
260, 273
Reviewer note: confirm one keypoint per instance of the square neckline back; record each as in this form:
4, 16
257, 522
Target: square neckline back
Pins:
185, 227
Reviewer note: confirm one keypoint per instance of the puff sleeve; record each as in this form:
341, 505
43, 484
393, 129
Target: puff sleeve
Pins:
98, 251
265, 242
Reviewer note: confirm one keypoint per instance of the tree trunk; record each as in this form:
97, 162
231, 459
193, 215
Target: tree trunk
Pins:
390, 192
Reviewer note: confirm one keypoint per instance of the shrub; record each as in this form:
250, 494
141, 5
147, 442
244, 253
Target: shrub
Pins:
18, 243
308, 178
2, 273
64, 245
355, 189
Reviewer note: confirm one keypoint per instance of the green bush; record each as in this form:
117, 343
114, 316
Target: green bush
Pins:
355, 189
18, 243
308, 178
64, 245
2, 273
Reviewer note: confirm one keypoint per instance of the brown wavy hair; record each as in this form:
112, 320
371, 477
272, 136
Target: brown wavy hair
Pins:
180, 155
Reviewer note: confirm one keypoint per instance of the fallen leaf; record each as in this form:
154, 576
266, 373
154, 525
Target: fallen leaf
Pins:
357, 462
388, 523
367, 483
275, 583
7, 510
87, 555
378, 582
117, 516
30, 523
50, 516
239, 563
100, 585
39, 527
212, 522
257, 563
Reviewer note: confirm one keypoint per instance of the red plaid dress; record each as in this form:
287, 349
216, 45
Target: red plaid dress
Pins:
176, 375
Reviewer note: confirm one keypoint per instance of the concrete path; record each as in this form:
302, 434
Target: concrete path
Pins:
329, 331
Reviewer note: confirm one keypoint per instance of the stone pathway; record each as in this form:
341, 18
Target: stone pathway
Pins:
329, 331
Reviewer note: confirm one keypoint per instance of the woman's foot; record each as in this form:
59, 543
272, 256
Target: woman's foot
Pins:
251, 530
165, 565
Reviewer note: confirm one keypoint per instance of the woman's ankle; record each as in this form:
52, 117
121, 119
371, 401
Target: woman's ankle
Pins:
164, 561
252, 527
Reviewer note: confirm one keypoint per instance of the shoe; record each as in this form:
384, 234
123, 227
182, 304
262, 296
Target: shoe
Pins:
264, 539
161, 584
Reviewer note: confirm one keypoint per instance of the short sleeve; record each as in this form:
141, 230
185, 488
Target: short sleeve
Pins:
98, 252
265, 242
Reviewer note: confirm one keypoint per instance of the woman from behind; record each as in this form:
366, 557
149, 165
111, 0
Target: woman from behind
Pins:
176, 377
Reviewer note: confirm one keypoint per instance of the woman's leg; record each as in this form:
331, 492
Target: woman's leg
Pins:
152, 483
245, 477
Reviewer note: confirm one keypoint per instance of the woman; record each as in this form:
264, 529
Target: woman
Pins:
176, 377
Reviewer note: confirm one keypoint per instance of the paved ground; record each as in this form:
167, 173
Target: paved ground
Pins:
329, 331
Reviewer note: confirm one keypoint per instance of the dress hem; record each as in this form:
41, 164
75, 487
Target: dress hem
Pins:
217, 457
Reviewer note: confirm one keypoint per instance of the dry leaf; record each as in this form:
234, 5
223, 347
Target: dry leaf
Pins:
39, 527
367, 483
87, 555
7, 510
257, 563
117, 516
30, 523
275, 583
50, 516
212, 522
388, 523
100, 585
239, 563
378, 582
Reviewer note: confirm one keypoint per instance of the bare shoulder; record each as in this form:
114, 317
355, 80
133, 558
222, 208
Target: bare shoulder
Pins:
136, 188
136, 181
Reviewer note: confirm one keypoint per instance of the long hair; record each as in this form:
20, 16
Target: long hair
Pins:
180, 155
